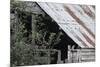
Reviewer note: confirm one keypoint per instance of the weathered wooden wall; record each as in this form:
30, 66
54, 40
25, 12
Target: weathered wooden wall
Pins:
81, 55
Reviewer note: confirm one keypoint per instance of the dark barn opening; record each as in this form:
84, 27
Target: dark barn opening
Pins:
65, 40
63, 45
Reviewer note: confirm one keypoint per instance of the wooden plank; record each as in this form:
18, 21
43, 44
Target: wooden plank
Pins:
81, 55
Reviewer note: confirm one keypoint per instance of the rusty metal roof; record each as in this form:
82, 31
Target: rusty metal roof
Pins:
78, 21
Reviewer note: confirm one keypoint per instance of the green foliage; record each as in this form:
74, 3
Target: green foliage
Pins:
22, 47
44, 36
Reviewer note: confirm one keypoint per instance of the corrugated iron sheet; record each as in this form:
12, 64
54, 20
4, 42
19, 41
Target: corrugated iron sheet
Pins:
78, 21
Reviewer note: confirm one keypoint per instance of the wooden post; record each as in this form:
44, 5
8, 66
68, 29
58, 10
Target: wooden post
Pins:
69, 54
59, 57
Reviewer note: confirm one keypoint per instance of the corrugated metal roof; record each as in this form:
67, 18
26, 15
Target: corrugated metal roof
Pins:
78, 21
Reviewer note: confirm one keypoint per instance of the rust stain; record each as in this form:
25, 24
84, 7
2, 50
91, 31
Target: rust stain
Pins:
88, 39
78, 20
79, 39
88, 12
93, 7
